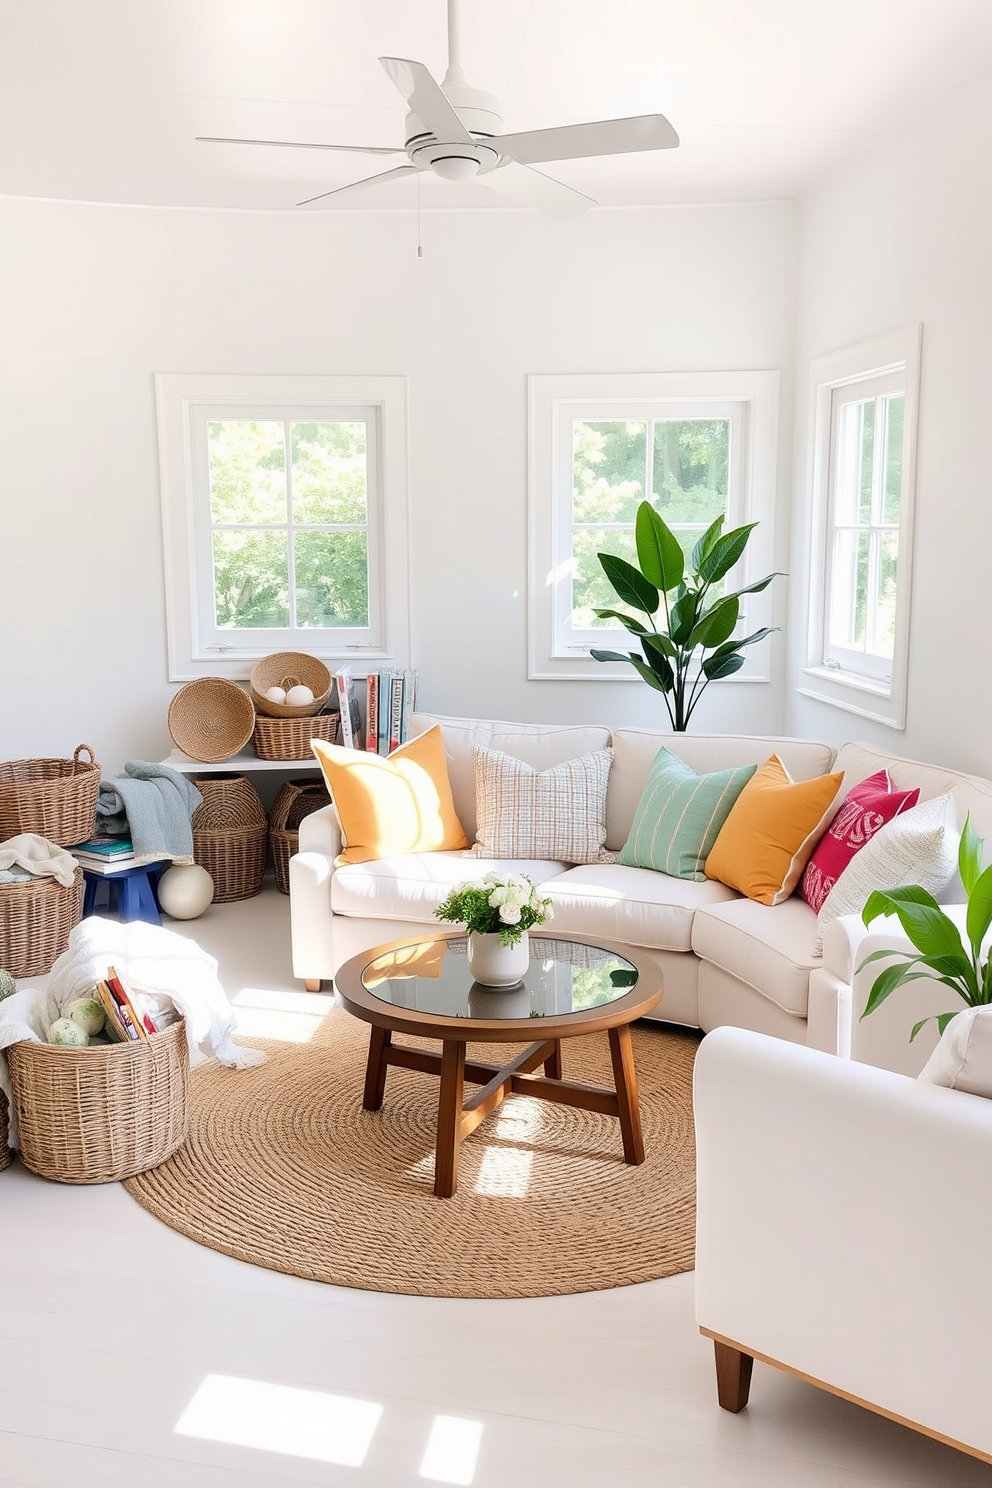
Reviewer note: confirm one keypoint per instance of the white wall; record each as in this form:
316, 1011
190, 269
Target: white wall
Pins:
903, 235
97, 299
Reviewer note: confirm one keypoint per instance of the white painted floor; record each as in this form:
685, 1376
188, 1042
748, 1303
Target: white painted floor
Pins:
129, 1356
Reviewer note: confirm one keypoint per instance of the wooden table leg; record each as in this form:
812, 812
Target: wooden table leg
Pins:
625, 1080
733, 1376
375, 1070
552, 1065
449, 1118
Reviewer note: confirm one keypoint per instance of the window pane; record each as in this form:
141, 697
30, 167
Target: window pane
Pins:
893, 409
607, 470
590, 587
251, 579
691, 461
332, 578
849, 590
855, 457
885, 613
330, 483
247, 471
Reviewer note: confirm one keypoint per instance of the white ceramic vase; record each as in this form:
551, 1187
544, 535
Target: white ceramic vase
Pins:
494, 964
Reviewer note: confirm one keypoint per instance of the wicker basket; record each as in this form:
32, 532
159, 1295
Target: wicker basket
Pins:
54, 797
230, 834
102, 1113
35, 920
285, 669
5, 1155
289, 738
297, 799
211, 719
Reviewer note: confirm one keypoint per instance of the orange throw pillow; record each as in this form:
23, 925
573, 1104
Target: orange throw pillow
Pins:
771, 832
400, 803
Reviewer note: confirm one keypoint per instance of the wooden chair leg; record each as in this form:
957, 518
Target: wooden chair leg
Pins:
733, 1376
312, 984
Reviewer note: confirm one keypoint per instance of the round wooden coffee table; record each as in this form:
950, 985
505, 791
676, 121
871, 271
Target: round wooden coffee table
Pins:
572, 987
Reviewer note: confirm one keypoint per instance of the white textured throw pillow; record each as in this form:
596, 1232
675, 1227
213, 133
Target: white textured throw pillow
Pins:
558, 813
963, 1058
918, 847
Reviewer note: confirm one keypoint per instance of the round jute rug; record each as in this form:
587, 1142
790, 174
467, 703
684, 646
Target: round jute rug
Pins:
284, 1169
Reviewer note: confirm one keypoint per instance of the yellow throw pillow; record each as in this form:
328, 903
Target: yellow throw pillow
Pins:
774, 825
400, 803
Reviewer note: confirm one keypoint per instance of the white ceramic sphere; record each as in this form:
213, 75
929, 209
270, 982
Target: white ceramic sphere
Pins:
185, 890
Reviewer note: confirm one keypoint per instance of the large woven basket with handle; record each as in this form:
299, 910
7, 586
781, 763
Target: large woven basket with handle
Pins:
54, 797
285, 669
105, 1112
230, 836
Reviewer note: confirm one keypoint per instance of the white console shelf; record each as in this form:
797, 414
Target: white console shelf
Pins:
237, 764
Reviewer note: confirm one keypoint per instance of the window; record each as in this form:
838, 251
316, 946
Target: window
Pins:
284, 514
699, 445
863, 456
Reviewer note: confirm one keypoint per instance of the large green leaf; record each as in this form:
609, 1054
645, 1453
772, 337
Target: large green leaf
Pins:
650, 676
922, 919
941, 1019
658, 552
657, 659
718, 624
758, 586
661, 642
757, 635
634, 626
969, 855
683, 617
631, 585
881, 901
724, 553
598, 655
714, 667
707, 540
979, 916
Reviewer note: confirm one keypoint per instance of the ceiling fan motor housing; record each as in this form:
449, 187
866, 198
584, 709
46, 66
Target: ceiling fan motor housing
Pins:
479, 112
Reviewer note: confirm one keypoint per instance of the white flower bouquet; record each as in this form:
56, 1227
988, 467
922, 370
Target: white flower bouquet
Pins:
491, 905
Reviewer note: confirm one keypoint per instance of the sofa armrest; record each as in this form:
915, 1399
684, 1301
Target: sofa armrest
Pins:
320, 832
835, 1202
310, 915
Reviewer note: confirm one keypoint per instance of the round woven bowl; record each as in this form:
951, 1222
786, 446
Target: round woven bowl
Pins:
289, 667
211, 719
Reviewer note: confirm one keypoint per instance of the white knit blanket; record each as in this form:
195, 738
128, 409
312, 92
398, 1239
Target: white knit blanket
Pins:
39, 856
169, 969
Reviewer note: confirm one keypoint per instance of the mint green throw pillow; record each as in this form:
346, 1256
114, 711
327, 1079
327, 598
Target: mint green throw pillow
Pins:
679, 815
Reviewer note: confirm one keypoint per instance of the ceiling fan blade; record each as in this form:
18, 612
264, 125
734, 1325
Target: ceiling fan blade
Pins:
400, 170
604, 137
426, 100
532, 188
216, 139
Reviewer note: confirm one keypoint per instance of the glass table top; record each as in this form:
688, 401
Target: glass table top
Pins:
563, 977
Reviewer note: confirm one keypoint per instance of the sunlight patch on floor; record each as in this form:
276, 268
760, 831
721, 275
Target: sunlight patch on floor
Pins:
452, 1450
289, 1017
504, 1173
282, 1418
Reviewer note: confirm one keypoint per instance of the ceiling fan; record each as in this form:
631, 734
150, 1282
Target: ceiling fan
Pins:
453, 130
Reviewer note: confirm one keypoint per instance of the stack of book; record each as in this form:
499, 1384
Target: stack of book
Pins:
126, 1021
390, 699
104, 854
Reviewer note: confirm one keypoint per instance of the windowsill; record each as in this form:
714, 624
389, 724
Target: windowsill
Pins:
865, 696
850, 679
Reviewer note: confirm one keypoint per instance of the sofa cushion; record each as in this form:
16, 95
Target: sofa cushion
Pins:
634, 752
537, 744
866, 807
679, 816
963, 1058
555, 813
635, 905
768, 946
410, 887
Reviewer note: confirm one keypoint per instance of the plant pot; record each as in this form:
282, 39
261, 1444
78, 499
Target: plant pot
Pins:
494, 964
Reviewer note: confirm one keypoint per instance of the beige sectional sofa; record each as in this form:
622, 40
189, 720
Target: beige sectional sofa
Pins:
726, 959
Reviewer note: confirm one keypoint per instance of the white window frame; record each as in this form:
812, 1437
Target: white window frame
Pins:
554, 401
185, 402
883, 363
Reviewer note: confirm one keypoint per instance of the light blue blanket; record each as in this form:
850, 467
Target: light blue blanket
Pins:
153, 805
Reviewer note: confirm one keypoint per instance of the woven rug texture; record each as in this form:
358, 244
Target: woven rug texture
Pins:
285, 1170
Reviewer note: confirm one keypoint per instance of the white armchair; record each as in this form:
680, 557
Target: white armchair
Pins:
844, 1212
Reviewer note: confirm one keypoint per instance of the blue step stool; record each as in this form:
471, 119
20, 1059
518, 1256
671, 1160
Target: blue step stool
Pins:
131, 892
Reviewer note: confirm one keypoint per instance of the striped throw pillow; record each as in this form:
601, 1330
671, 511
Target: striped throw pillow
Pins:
679, 816
558, 813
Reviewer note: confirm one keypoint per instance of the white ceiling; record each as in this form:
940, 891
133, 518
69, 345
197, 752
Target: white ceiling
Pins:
100, 100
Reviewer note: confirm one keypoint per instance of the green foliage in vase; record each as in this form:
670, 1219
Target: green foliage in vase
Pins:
491, 905
941, 953
696, 644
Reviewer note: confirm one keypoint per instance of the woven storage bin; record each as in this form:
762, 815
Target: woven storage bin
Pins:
102, 1113
297, 799
35, 920
5, 1157
284, 669
289, 738
211, 719
54, 797
230, 835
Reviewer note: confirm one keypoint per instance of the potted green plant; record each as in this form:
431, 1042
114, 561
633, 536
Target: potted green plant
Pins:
497, 914
696, 645
941, 954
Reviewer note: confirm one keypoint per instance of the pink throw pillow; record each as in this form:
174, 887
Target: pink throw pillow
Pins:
863, 810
